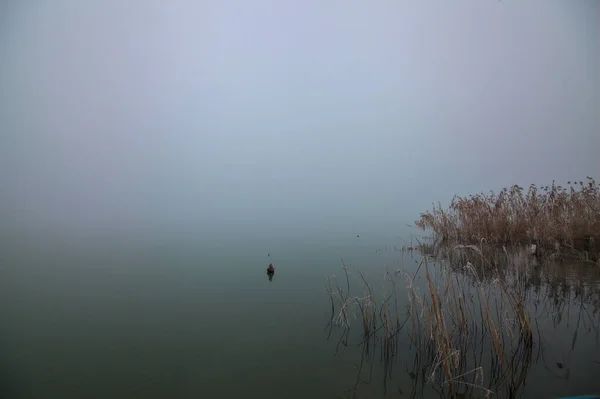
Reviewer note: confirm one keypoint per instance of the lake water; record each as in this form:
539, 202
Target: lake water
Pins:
101, 317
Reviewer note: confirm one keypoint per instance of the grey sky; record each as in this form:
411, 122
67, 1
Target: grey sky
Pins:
355, 114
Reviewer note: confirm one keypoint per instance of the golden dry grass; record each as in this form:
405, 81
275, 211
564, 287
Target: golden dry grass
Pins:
550, 217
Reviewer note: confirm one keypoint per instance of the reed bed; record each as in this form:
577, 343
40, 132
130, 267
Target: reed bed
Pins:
469, 334
470, 321
550, 217
470, 318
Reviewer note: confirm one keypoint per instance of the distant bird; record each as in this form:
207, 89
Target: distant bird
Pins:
270, 269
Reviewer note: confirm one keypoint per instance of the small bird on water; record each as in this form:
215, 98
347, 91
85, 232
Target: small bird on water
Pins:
270, 269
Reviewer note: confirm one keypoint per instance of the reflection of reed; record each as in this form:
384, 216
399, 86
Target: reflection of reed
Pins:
473, 326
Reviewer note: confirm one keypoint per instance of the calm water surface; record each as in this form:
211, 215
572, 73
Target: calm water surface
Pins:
98, 318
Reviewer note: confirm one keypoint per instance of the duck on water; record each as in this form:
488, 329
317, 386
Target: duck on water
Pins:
270, 269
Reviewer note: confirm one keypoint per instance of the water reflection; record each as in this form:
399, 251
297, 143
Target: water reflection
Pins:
471, 324
270, 275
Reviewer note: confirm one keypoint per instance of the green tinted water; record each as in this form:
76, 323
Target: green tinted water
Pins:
176, 318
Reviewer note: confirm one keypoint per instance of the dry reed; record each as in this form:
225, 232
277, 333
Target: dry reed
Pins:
550, 217
470, 334
471, 322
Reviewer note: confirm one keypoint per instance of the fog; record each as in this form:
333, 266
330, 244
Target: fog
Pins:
308, 116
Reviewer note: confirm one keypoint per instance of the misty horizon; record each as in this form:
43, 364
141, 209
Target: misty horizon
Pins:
348, 117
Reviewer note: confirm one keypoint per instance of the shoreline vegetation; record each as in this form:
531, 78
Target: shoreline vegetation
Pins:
468, 329
471, 316
548, 220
